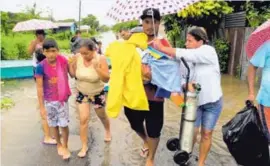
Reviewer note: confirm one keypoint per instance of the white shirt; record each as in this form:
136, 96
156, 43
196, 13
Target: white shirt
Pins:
205, 71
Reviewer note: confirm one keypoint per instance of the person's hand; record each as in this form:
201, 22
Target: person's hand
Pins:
43, 113
96, 64
146, 72
157, 44
190, 87
251, 97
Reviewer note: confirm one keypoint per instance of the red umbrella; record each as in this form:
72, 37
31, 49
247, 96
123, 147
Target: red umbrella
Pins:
258, 38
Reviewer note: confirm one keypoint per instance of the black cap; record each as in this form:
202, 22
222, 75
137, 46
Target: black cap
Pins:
151, 12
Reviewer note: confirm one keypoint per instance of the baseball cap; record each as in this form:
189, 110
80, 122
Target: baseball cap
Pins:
151, 12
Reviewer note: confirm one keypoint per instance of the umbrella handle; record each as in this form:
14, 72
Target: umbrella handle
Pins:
153, 20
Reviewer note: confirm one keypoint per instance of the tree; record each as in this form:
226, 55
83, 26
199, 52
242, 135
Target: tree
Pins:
205, 14
32, 12
104, 28
257, 12
92, 21
126, 25
4, 22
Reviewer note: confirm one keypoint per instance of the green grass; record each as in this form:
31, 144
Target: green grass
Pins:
15, 45
9, 83
6, 103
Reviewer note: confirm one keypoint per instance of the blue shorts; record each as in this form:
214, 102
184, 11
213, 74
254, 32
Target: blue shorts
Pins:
208, 114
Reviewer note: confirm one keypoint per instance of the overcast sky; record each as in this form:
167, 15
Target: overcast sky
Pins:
63, 9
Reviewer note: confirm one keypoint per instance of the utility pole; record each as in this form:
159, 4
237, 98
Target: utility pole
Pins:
51, 14
80, 9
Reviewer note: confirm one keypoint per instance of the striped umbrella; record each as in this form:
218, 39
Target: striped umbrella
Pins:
258, 38
34, 24
128, 10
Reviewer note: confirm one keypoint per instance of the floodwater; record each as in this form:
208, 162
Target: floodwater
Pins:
22, 134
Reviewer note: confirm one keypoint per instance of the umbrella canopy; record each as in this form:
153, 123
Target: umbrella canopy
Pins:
34, 24
258, 38
128, 10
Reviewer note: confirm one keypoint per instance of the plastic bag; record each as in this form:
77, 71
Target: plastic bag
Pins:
245, 138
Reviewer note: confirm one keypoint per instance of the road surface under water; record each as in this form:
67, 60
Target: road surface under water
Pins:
22, 134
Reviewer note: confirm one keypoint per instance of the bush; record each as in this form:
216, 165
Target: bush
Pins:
22, 51
127, 25
3, 53
15, 46
64, 44
223, 50
60, 36
6, 103
180, 43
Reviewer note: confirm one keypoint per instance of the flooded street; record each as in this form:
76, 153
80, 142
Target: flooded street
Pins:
22, 134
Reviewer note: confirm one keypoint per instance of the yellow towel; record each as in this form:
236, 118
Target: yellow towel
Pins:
126, 84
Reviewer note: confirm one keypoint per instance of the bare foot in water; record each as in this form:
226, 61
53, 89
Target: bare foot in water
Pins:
49, 141
149, 162
108, 136
60, 150
83, 152
66, 154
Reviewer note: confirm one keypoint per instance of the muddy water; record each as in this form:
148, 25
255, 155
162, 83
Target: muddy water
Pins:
22, 134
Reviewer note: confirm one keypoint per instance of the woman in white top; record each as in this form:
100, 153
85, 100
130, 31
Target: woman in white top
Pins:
206, 72
91, 71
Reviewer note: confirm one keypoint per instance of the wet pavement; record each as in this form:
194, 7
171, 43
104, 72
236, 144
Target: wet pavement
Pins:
22, 133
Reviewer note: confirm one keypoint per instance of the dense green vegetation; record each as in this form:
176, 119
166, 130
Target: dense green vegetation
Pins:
14, 45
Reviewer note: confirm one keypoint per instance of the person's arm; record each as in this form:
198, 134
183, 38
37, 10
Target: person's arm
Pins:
102, 69
32, 46
251, 82
257, 61
39, 82
40, 90
72, 66
204, 54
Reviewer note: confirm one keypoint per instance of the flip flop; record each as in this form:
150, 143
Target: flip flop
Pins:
49, 143
144, 152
